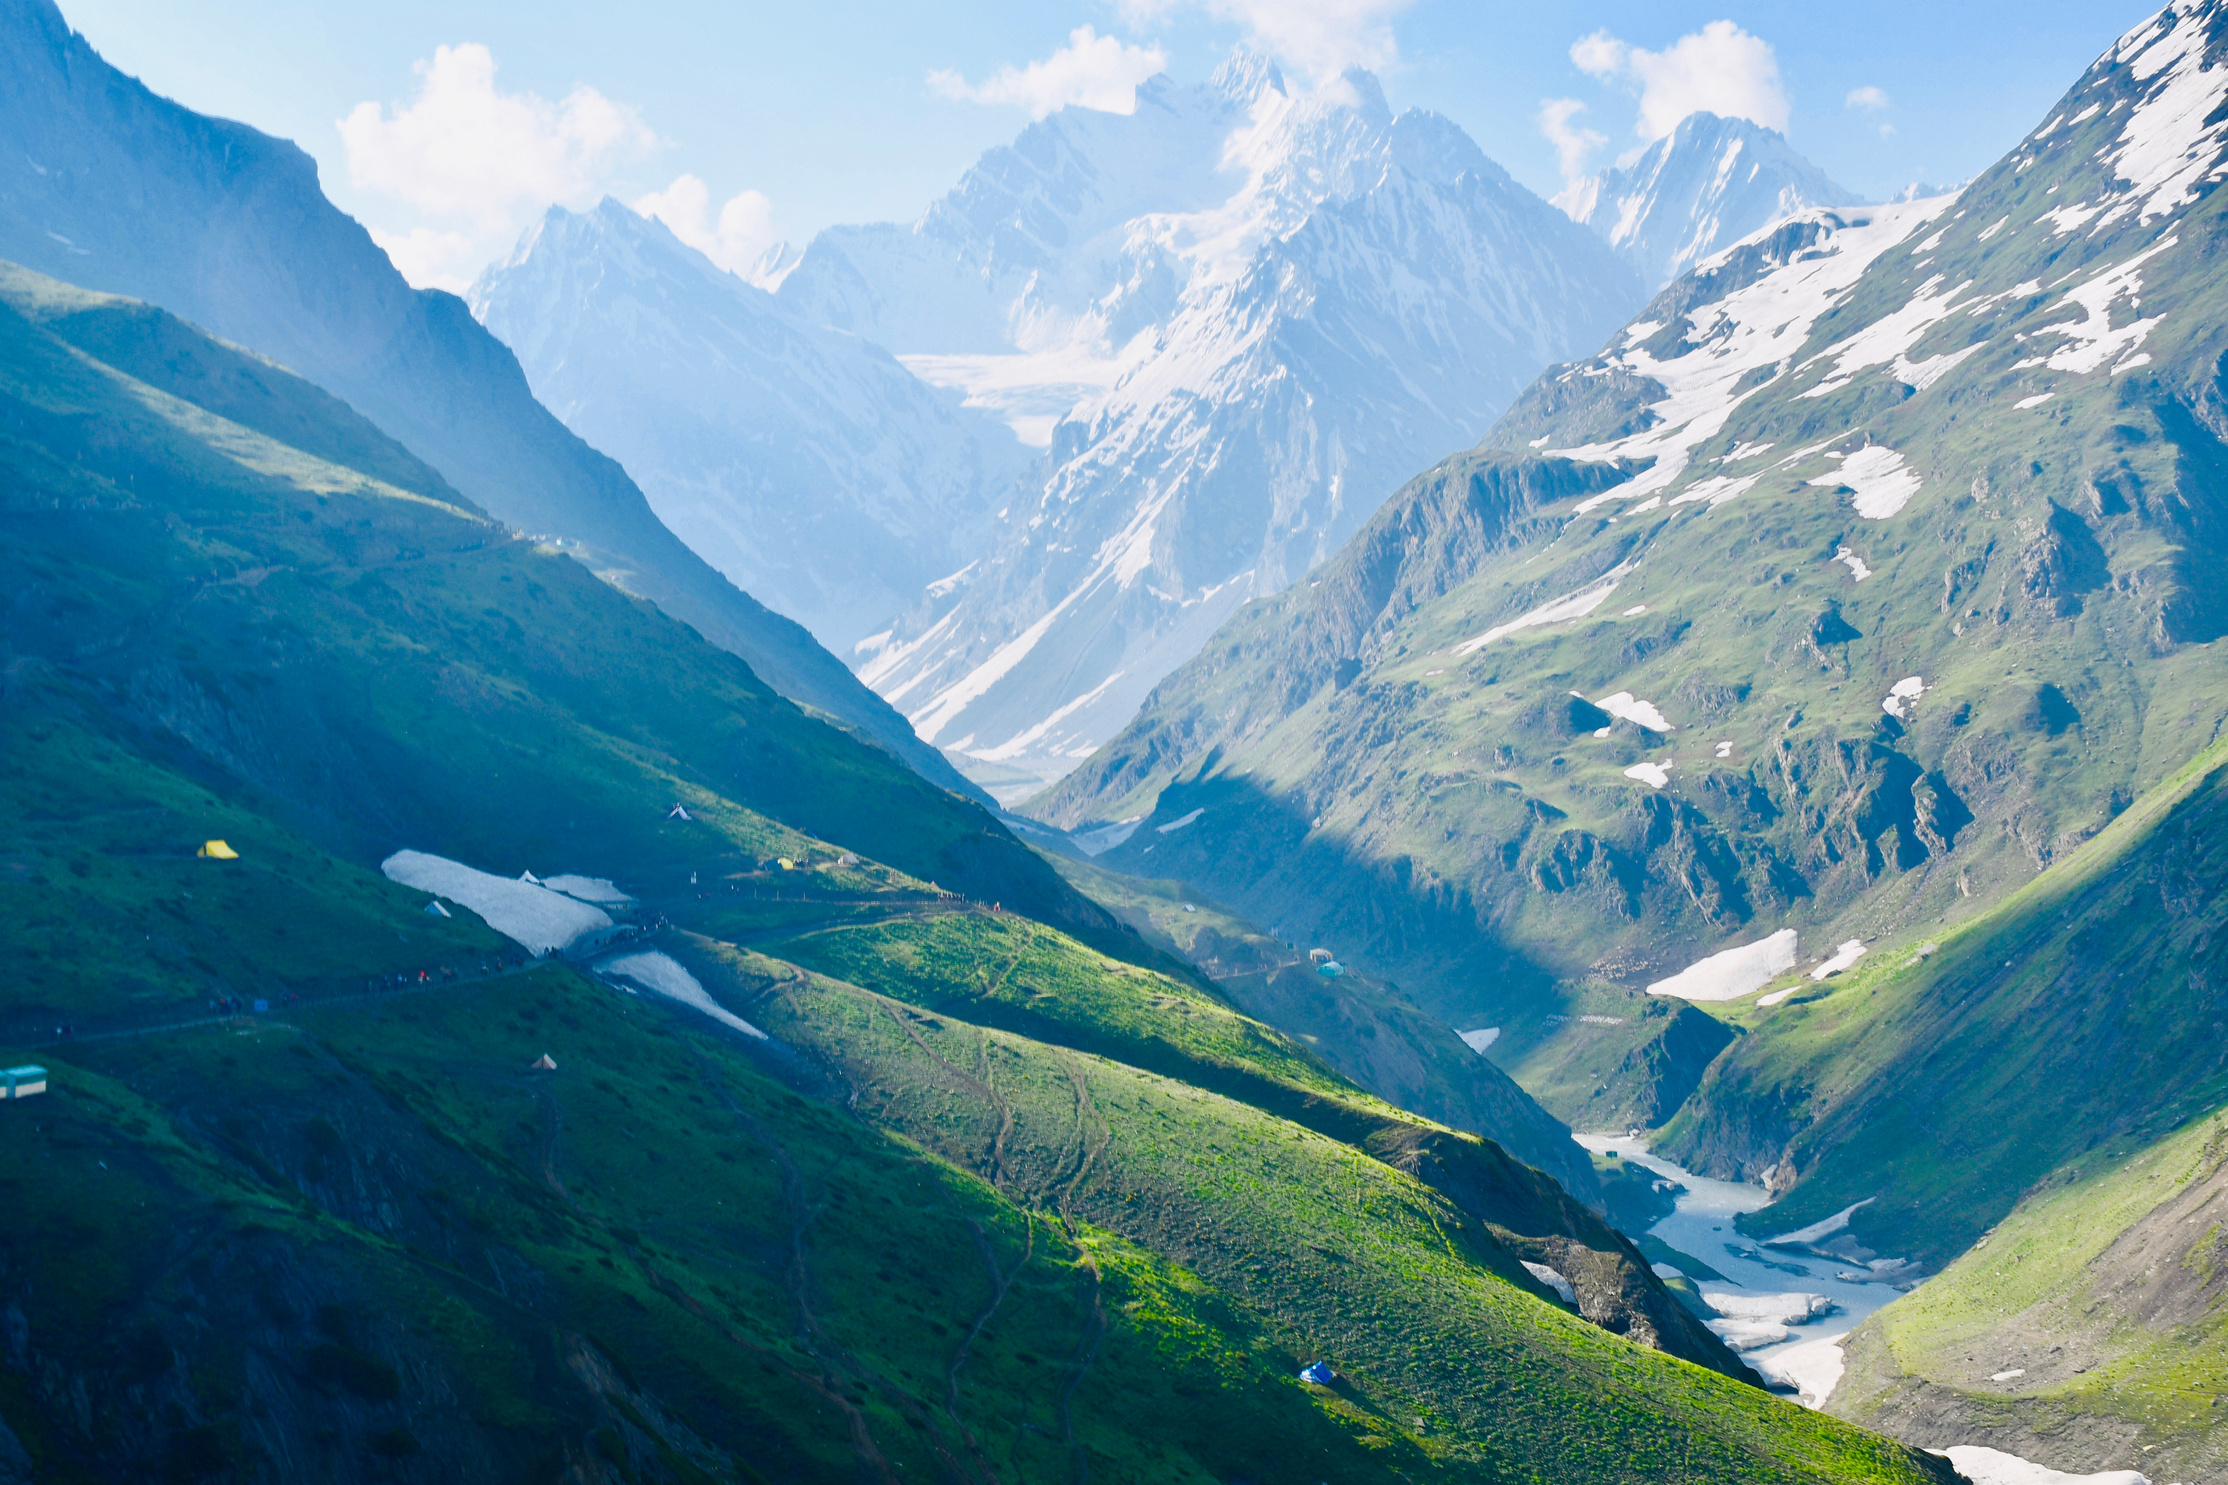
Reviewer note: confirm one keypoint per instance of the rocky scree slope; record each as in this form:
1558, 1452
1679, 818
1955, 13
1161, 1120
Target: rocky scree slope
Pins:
1899, 595
1236, 319
366, 1236
116, 189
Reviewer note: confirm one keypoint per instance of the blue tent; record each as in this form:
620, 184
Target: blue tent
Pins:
1318, 1372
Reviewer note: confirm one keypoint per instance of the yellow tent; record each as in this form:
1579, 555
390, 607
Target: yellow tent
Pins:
218, 850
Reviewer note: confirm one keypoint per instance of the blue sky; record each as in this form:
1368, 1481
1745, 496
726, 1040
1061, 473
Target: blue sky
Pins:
792, 117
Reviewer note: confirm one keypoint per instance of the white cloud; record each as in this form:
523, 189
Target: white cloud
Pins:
1719, 69
1092, 71
1319, 37
1572, 144
736, 241
1866, 97
477, 163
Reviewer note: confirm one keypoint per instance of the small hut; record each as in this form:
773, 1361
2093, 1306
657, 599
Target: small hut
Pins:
22, 1082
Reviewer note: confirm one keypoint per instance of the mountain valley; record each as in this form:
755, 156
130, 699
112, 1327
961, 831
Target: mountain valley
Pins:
938, 861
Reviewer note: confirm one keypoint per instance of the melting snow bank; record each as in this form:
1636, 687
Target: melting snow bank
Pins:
1812, 1369
530, 915
1876, 475
664, 974
1827, 1228
1782, 1291
1106, 837
1654, 775
1734, 973
1849, 953
1552, 1280
1750, 1321
1480, 1039
1995, 1467
587, 889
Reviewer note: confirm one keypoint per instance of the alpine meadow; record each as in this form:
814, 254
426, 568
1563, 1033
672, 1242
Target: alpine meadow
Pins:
1191, 743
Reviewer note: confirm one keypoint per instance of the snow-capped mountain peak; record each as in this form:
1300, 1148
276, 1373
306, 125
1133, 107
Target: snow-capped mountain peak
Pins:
1306, 297
1709, 183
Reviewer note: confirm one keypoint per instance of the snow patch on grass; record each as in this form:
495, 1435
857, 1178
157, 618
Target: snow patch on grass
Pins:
2091, 340
1180, 822
1733, 973
1813, 1369
2035, 401
532, 916
1480, 1039
1654, 775
1626, 707
1853, 562
666, 975
1878, 479
1901, 694
1846, 955
1757, 327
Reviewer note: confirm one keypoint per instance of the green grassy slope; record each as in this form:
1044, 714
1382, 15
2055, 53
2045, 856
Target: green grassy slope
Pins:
378, 1227
359, 1237
2072, 1018
398, 670
1366, 1029
2102, 1290
1418, 1300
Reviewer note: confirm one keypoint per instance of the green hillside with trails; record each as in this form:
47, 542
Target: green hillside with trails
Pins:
1079, 1219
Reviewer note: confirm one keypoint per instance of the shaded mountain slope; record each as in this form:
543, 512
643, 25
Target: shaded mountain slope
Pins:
116, 189
804, 463
369, 1231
